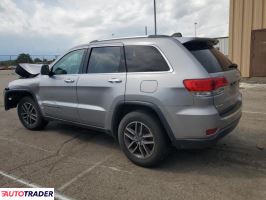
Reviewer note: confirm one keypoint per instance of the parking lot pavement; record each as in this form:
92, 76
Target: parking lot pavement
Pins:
84, 164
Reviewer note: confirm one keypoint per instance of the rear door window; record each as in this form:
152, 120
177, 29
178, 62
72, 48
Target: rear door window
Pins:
209, 57
141, 58
106, 60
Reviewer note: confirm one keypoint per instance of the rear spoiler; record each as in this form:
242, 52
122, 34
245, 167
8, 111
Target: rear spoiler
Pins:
187, 41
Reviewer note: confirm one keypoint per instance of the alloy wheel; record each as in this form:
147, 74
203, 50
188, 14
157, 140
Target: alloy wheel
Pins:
139, 139
28, 113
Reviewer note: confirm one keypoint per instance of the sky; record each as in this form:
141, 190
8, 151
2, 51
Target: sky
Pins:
53, 26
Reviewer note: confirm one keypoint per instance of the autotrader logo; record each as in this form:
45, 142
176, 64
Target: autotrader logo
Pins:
27, 193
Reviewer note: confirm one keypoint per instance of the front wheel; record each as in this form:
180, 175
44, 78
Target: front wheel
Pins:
142, 139
30, 115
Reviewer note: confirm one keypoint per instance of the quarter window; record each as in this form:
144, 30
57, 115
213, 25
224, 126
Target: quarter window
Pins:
144, 59
106, 60
70, 63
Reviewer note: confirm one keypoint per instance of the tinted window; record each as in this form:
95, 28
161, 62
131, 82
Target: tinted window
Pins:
144, 59
210, 58
70, 63
106, 60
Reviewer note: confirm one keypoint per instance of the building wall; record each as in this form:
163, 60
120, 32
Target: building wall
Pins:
245, 16
223, 45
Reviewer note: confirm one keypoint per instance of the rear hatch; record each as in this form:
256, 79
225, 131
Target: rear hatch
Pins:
217, 64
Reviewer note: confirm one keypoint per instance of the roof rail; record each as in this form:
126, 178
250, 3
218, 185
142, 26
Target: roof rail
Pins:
119, 38
158, 36
144, 36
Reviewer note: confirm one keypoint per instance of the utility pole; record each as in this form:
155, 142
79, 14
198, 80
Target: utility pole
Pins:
195, 28
146, 30
155, 23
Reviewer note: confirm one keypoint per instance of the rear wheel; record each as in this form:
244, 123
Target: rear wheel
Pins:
30, 115
142, 139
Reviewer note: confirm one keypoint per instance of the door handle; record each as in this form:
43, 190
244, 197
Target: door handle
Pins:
115, 80
69, 81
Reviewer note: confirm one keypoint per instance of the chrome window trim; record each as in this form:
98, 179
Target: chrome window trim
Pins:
119, 44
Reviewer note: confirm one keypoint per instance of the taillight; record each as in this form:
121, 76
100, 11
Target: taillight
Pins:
205, 85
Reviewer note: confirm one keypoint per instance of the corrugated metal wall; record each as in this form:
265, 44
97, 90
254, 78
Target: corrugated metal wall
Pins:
245, 16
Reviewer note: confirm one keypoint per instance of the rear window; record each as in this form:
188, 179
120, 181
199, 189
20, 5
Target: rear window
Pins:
209, 57
144, 59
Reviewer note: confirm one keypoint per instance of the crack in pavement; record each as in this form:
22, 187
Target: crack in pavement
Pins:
45, 158
65, 156
57, 153
54, 154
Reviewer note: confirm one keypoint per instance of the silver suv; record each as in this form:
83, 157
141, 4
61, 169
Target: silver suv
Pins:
148, 92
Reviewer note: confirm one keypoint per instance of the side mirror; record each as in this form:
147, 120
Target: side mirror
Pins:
45, 70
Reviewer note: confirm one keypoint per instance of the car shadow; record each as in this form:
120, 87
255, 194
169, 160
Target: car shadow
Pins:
83, 134
225, 154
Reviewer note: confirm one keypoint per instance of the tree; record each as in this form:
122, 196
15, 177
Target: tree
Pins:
24, 58
37, 60
45, 60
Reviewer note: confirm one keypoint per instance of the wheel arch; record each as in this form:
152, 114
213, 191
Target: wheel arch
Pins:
13, 96
125, 107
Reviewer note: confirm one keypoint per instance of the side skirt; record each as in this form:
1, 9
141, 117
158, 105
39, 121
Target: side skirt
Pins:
99, 129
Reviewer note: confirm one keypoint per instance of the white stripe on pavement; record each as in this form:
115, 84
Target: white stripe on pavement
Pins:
32, 185
80, 175
28, 145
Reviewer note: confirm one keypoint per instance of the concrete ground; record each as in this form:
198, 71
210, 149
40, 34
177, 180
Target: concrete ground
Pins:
83, 164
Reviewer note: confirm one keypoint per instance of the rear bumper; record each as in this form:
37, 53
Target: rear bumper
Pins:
206, 142
192, 123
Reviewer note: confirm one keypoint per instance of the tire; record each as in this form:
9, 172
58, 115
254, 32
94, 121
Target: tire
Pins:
30, 115
146, 150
